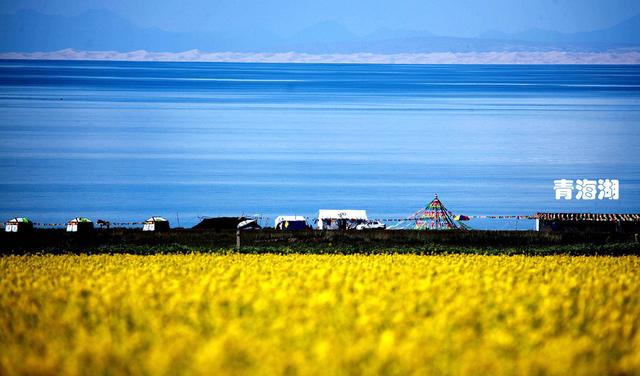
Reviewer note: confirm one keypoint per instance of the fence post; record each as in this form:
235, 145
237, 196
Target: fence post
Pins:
238, 239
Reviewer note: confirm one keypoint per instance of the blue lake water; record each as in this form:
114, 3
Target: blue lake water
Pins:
126, 140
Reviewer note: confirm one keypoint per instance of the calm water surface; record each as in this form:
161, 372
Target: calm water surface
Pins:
124, 141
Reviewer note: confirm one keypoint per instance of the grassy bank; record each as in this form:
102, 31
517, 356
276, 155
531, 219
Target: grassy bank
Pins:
128, 241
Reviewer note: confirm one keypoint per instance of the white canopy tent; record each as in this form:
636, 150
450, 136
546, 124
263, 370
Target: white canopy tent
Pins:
341, 219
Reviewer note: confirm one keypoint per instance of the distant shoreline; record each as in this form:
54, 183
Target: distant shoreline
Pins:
507, 58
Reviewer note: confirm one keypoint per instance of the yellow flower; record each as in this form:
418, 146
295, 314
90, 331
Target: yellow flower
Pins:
202, 314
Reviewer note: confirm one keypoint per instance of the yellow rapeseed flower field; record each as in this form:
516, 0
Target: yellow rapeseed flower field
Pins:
319, 314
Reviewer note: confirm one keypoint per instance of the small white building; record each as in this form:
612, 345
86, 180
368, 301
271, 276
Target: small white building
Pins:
341, 219
19, 224
80, 224
291, 222
156, 224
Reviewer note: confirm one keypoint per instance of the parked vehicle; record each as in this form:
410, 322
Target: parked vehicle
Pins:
372, 225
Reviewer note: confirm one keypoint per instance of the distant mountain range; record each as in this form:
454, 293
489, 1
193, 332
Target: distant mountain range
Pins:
626, 33
101, 30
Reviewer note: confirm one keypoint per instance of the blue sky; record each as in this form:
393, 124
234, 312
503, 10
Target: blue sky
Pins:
284, 17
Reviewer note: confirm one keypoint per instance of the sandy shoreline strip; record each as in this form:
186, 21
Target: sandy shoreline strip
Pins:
521, 57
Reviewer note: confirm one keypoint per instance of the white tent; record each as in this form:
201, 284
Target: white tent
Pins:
290, 222
340, 219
